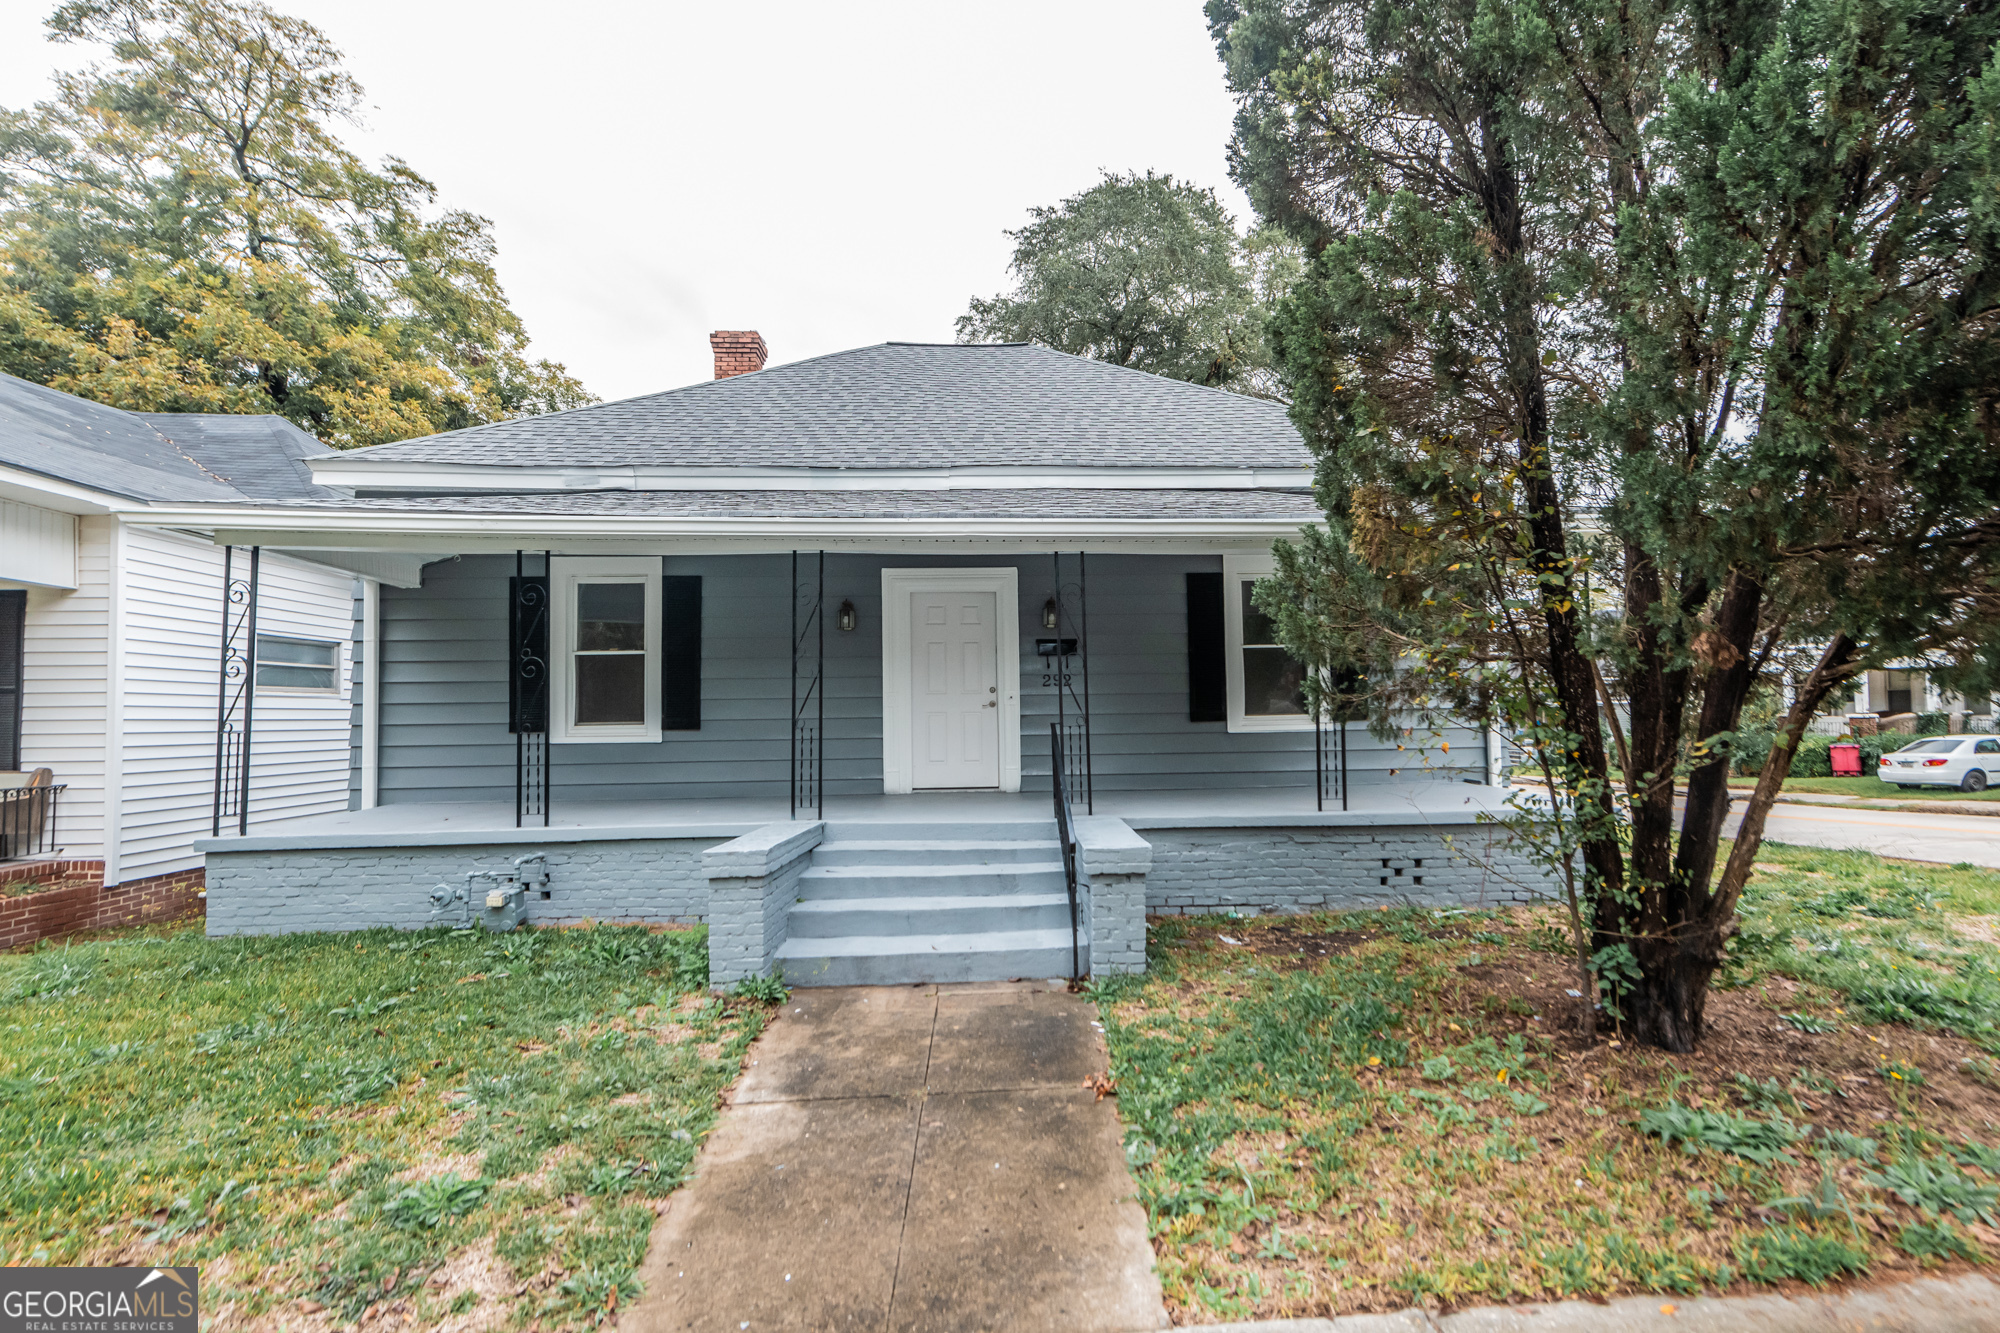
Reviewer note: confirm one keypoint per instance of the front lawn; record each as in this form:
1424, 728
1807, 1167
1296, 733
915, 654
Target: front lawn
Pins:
1340, 1113
1872, 787
460, 1130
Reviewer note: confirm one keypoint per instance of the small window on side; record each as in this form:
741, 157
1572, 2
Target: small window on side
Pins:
1987, 747
297, 664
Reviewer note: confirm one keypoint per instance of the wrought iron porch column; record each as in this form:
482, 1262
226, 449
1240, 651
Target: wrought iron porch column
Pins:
1073, 687
808, 699
238, 664
528, 700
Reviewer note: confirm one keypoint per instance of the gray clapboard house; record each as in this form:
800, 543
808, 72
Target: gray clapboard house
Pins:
801, 652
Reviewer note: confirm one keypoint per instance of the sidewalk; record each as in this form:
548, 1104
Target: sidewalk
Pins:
911, 1158
1969, 1304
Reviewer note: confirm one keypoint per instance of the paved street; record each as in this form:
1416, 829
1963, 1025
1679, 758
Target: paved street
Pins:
1910, 834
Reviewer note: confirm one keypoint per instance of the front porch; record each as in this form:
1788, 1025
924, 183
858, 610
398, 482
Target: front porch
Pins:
923, 887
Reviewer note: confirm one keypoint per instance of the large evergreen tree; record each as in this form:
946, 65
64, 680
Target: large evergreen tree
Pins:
1639, 340
181, 229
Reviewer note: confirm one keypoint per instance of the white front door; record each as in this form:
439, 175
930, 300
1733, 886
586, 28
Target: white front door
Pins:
954, 690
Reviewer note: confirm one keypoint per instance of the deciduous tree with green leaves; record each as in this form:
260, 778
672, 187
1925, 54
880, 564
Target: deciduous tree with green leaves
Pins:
181, 229
1142, 271
1639, 341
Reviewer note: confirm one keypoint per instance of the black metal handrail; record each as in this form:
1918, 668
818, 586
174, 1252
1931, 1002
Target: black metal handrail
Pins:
28, 821
1066, 835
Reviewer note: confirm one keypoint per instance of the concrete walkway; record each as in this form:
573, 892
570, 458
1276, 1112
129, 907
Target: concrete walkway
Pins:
910, 1158
1969, 1304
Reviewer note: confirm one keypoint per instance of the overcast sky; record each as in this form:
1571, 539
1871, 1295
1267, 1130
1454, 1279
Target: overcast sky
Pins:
829, 174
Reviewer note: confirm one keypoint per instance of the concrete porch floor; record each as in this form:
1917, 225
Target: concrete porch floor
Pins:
911, 1158
443, 823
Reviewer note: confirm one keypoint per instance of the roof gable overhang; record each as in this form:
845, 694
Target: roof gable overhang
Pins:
359, 472
390, 529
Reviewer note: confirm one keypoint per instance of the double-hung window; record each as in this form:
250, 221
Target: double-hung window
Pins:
1266, 683
606, 646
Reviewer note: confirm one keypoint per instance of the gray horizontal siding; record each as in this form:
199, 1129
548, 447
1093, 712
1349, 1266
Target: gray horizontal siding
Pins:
444, 690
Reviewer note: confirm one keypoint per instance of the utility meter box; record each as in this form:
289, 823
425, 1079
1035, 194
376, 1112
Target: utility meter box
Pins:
504, 907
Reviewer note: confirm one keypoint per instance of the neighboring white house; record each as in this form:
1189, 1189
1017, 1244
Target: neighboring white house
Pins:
111, 633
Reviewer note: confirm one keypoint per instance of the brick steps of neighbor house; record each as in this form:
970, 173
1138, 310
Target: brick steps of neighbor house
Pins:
897, 904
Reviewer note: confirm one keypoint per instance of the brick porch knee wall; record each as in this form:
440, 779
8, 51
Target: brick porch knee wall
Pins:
1256, 870
275, 892
753, 881
75, 899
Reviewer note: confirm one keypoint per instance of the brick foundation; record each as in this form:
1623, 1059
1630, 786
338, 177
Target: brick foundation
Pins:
71, 897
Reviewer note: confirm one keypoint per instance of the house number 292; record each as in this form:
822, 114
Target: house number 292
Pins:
1051, 679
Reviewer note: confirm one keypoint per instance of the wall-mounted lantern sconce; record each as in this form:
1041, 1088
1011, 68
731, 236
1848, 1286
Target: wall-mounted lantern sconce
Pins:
1049, 614
847, 618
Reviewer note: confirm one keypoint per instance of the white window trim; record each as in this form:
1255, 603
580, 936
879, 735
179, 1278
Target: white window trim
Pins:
337, 690
565, 572
1236, 567
897, 587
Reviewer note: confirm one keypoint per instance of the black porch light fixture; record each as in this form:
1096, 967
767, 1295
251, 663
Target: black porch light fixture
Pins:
1049, 614
846, 617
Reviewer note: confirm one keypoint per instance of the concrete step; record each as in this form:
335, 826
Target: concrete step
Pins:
911, 830
879, 881
936, 852
901, 960
942, 914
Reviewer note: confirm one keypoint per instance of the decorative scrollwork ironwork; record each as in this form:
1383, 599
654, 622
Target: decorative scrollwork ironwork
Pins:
808, 713
235, 693
1072, 677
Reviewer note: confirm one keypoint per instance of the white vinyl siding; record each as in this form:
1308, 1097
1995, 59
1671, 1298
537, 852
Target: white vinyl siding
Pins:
63, 699
173, 627
39, 546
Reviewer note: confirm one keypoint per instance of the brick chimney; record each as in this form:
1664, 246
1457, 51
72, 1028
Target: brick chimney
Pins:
737, 352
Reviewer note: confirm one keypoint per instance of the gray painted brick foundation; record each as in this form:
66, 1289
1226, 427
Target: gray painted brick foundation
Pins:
744, 887
271, 892
1310, 869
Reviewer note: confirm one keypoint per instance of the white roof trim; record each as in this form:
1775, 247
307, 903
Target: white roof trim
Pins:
360, 471
303, 530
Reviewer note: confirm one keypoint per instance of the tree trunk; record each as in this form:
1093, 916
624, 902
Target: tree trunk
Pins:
1836, 667
1669, 1002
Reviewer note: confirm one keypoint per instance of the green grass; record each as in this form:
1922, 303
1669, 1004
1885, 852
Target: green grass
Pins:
1873, 788
1399, 1119
339, 1118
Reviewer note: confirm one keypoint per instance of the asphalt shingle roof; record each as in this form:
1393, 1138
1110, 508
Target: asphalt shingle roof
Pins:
1284, 505
897, 405
153, 456
261, 456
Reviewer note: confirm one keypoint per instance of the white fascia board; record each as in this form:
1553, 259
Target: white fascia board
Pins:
304, 530
360, 472
64, 497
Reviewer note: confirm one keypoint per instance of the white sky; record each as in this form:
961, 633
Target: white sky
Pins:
830, 174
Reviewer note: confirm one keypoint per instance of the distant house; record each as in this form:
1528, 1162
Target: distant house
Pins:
1906, 687
111, 647
799, 651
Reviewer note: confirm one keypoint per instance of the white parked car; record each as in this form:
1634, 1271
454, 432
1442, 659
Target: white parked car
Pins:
1968, 763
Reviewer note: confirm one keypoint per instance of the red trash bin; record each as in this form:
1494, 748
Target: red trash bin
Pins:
1846, 760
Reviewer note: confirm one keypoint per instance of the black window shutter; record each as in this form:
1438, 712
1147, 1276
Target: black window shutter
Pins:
680, 652
528, 654
13, 624
1208, 673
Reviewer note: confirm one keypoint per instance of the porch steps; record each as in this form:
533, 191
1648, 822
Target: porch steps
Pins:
894, 904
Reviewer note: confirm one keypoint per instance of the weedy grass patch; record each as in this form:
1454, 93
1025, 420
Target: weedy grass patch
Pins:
1352, 1112
461, 1130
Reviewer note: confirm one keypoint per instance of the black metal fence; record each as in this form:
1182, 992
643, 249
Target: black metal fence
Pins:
28, 821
